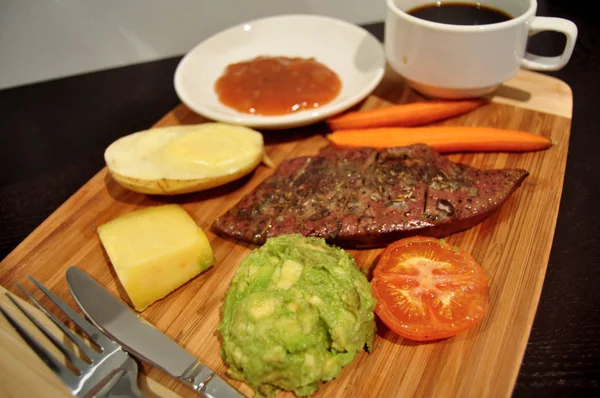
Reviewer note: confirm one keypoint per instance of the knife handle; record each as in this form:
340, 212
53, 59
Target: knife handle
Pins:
207, 383
216, 387
196, 376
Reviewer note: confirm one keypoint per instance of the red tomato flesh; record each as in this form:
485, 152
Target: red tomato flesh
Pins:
428, 290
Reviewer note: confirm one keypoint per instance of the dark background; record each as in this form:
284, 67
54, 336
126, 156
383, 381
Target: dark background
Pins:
53, 134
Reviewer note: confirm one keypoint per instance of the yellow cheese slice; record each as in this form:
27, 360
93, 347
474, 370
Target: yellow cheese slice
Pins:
154, 251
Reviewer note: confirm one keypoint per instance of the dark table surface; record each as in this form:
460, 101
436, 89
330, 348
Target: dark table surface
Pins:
53, 135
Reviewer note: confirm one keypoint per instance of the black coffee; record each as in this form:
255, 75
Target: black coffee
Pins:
459, 14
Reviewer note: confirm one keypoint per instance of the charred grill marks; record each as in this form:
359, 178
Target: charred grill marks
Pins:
365, 198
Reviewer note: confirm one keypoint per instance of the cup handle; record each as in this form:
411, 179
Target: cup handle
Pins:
540, 24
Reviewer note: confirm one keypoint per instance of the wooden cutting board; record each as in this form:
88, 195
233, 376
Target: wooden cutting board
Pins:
513, 247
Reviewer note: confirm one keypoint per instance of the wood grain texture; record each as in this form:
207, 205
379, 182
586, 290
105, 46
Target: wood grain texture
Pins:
513, 247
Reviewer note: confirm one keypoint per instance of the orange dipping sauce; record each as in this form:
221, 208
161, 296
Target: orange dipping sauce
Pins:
277, 85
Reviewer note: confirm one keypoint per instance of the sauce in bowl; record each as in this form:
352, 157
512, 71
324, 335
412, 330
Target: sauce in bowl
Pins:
277, 85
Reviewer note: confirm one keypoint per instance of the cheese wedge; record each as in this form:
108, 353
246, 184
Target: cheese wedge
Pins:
154, 251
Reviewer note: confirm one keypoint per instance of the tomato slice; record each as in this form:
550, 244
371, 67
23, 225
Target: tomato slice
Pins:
428, 290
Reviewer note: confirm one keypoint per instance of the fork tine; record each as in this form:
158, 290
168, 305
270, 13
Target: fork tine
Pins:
87, 350
50, 360
74, 359
93, 333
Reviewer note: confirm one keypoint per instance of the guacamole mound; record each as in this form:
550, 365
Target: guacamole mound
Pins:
296, 312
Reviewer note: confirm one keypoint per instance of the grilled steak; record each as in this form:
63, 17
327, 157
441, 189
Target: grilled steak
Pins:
367, 198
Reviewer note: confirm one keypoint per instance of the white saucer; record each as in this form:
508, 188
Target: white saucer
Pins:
353, 53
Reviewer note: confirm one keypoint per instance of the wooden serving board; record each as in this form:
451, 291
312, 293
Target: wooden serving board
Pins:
513, 247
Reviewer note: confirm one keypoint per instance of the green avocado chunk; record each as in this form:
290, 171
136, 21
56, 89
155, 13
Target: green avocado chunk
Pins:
296, 312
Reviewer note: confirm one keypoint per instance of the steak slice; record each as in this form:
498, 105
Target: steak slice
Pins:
359, 198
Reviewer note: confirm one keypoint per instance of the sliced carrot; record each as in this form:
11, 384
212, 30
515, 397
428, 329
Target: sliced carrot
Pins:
404, 115
443, 139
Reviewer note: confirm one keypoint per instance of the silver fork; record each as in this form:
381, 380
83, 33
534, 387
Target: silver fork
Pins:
108, 373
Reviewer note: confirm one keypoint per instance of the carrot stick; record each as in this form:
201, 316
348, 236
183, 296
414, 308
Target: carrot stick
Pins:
414, 114
443, 139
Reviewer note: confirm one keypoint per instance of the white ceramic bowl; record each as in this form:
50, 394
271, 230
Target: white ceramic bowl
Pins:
353, 53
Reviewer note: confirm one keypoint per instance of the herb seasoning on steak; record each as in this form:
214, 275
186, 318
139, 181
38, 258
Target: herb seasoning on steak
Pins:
360, 198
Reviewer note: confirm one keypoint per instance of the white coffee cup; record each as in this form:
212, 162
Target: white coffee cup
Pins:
461, 61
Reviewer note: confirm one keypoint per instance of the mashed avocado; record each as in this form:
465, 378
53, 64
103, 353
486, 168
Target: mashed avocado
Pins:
296, 312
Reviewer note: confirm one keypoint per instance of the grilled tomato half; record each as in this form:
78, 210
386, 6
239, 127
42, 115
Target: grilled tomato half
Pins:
427, 289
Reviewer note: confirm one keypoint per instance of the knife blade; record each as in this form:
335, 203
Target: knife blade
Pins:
119, 322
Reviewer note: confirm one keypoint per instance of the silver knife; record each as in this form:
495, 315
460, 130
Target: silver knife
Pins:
141, 339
